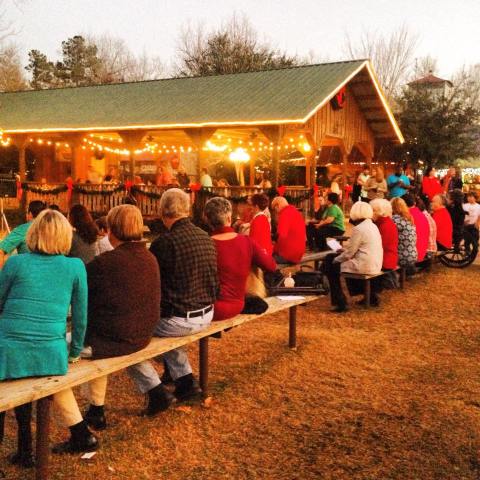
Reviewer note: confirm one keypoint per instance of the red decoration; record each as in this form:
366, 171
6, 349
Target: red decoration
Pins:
338, 101
195, 187
69, 184
128, 185
348, 191
315, 190
19, 190
281, 190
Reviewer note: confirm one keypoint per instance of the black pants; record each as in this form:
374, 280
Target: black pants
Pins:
332, 271
317, 237
472, 235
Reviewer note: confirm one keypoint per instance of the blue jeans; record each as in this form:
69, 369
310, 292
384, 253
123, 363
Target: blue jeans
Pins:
144, 374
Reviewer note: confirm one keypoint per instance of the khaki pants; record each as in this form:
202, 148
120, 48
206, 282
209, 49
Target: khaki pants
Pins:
67, 406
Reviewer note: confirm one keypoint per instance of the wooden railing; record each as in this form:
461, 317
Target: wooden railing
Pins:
100, 198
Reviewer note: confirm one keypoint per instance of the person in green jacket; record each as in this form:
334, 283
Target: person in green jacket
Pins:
36, 291
15, 240
332, 224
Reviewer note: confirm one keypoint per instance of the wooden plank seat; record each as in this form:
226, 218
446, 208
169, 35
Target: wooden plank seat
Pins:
367, 278
18, 392
308, 257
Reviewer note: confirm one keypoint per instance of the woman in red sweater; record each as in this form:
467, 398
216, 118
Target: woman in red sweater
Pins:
382, 216
430, 184
260, 230
443, 221
236, 254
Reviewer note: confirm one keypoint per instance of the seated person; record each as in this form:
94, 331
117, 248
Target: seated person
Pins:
332, 224
85, 234
363, 254
123, 307
36, 291
236, 254
407, 235
421, 226
432, 235
260, 229
104, 244
382, 217
472, 218
443, 221
16, 239
291, 232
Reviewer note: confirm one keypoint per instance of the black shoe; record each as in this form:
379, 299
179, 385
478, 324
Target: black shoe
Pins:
81, 440
95, 418
187, 388
86, 444
25, 460
339, 309
159, 399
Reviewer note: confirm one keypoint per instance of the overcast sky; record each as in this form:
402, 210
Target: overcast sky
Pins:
448, 30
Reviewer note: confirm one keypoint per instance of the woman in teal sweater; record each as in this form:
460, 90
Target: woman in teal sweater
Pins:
36, 291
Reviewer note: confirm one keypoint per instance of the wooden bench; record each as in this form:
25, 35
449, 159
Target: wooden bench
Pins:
315, 257
18, 392
367, 278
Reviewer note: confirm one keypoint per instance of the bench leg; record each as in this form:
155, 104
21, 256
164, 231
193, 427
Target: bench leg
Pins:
403, 274
367, 293
292, 327
43, 430
203, 365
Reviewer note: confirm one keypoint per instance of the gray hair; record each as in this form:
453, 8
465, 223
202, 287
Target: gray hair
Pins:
174, 203
216, 211
381, 207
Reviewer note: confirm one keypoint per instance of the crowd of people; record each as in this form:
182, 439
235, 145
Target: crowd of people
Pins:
121, 294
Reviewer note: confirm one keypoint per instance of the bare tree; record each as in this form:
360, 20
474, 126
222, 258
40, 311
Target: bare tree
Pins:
119, 64
233, 48
392, 55
425, 66
11, 71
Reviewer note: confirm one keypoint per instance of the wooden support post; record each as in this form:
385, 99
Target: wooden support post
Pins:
203, 365
292, 327
274, 134
199, 136
132, 140
75, 141
344, 177
251, 182
21, 142
43, 431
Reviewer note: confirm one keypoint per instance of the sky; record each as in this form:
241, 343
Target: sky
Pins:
448, 30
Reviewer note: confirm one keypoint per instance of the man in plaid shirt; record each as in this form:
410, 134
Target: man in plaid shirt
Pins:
187, 259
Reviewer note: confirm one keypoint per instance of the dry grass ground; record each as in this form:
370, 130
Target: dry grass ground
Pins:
391, 393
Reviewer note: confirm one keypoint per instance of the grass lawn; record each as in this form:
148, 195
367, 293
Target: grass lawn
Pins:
388, 393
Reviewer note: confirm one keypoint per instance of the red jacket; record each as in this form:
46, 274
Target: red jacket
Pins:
389, 233
444, 227
235, 258
260, 232
423, 232
431, 187
291, 235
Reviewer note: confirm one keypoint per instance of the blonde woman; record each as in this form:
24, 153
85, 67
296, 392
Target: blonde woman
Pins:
376, 186
36, 291
407, 235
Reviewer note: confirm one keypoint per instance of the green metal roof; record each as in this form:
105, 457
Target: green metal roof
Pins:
273, 96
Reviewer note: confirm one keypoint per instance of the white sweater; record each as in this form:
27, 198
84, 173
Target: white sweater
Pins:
364, 252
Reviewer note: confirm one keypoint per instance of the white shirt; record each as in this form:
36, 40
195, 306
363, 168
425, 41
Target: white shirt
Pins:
364, 251
104, 245
473, 213
363, 182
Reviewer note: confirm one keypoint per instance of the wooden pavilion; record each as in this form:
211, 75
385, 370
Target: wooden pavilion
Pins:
310, 109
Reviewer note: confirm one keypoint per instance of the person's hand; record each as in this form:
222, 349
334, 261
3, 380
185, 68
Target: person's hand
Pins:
318, 225
73, 359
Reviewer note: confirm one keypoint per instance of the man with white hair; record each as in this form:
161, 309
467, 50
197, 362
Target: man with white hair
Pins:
291, 232
187, 259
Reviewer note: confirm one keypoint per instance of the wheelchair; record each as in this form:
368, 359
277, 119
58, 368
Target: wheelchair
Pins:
464, 250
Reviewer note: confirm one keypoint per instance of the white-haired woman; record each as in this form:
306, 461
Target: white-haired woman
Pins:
382, 216
36, 291
363, 254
